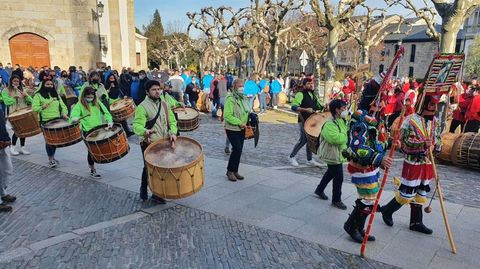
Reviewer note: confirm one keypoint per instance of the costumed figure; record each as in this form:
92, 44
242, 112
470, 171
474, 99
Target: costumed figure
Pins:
366, 155
419, 132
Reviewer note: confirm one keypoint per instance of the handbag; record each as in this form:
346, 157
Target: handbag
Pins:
326, 151
249, 132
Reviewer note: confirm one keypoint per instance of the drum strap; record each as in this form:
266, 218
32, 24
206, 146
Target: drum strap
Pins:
149, 124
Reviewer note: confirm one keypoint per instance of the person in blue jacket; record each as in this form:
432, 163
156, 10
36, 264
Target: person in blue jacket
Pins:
275, 88
251, 89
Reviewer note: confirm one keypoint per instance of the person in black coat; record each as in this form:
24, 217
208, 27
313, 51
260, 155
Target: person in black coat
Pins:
192, 92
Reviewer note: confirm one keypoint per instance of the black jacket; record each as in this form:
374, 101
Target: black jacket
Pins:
4, 136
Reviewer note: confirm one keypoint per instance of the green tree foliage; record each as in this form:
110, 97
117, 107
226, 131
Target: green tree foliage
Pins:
472, 65
155, 33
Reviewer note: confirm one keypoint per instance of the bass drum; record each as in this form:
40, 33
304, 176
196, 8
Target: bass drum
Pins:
448, 142
106, 145
175, 173
313, 127
24, 123
466, 152
61, 133
187, 119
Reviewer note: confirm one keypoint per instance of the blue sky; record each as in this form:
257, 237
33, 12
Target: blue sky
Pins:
173, 11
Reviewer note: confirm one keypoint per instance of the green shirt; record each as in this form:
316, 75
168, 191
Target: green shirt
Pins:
297, 101
236, 112
56, 108
13, 103
147, 110
94, 117
100, 89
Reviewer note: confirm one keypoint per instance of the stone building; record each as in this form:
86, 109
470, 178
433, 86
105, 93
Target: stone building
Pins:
419, 52
70, 32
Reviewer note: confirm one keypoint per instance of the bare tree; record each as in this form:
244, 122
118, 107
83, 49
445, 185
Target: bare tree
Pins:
291, 41
332, 19
370, 30
270, 19
453, 15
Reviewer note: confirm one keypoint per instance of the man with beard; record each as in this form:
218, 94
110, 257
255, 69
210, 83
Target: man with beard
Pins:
151, 124
305, 103
419, 134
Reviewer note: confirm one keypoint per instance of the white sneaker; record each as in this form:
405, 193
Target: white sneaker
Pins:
312, 162
275, 107
24, 151
13, 151
293, 161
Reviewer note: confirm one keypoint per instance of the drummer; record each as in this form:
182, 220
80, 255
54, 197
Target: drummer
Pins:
90, 113
49, 106
151, 124
116, 93
94, 82
16, 98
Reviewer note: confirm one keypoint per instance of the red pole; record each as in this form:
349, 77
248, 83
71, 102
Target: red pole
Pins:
384, 180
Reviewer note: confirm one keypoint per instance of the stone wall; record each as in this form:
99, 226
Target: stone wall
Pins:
69, 27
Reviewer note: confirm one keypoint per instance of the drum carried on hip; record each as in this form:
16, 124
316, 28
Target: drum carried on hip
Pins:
61, 133
449, 141
175, 173
313, 127
122, 109
466, 151
106, 145
24, 123
187, 119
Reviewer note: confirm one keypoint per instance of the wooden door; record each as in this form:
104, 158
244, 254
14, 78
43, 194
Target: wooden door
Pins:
29, 49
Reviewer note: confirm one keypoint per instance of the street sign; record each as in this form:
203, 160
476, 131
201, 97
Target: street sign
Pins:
304, 56
303, 60
303, 63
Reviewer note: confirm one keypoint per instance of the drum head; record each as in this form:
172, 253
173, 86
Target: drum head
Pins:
103, 133
120, 103
22, 111
188, 114
314, 123
57, 123
161, 154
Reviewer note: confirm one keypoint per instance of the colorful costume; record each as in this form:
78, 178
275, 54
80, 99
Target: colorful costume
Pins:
417, 170
365, 152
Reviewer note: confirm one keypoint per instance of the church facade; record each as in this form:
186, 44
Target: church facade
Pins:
71, 32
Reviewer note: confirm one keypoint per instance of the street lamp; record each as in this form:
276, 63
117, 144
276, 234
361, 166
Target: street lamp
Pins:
100, 8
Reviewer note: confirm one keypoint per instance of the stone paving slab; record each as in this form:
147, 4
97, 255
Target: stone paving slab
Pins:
51, 202
182, 237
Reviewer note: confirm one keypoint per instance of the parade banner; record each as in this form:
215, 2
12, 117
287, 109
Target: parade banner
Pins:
443, 72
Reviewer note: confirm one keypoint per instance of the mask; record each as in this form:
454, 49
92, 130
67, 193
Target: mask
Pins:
95, 80
65, 76
345, 114
89, 99
240, 90
141, 76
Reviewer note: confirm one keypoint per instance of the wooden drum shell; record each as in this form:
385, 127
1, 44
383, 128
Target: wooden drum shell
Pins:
466, 151
122, 109
313, 127
109, 149
448, 142
176, 182
63, 136
187, 124
25, 124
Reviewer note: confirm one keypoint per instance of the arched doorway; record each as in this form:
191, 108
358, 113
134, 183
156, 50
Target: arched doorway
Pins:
29, 49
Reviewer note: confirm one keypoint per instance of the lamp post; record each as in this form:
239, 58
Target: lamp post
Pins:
97, 14
399, 43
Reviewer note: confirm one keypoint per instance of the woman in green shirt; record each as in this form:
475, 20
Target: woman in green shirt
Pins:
49, 106
236, 115
90, 113
16, 98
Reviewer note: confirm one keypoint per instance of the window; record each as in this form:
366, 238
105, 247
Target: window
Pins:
395, 71
380, 68
396, 48
139, 60
412, 53
410, 72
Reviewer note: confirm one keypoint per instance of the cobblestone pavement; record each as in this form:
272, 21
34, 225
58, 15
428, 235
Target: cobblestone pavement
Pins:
50, 203
182, 237
278, 134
